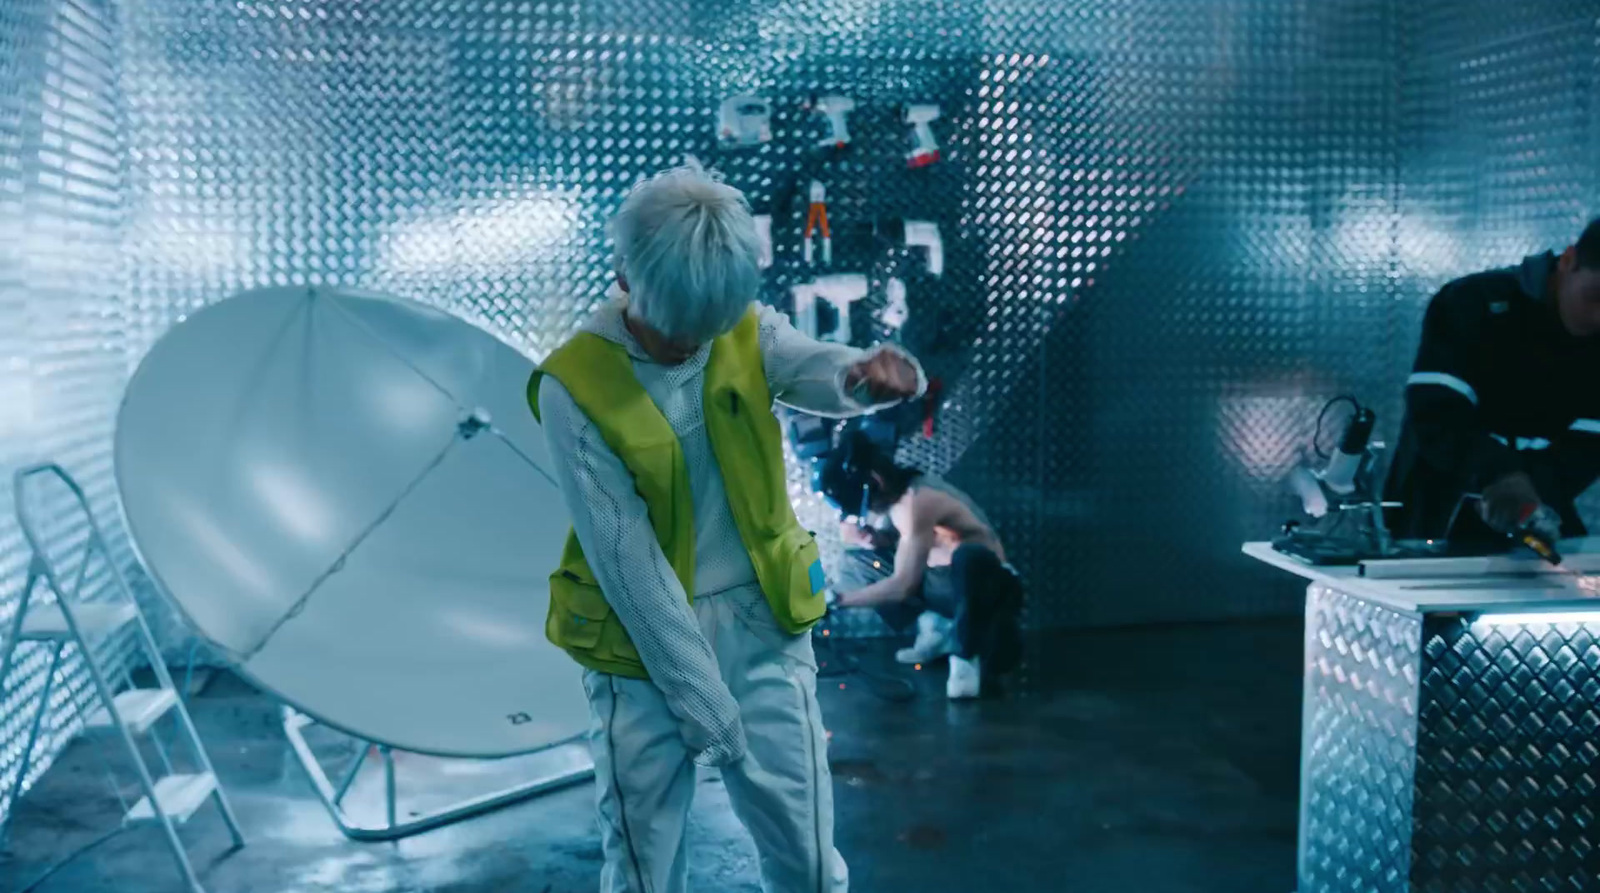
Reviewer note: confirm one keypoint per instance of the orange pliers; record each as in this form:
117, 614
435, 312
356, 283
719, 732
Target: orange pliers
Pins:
818, 217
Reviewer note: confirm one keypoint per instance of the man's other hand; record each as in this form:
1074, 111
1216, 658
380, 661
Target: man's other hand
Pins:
885, 376
1507, 501
854, 534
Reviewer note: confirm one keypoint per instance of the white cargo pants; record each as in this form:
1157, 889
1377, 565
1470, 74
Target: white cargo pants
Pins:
781, 791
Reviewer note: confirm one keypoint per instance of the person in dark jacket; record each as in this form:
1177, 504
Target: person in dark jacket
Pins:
1503, 402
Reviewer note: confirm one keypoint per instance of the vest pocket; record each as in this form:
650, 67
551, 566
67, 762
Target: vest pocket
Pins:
585, 621
800, 564
580, 609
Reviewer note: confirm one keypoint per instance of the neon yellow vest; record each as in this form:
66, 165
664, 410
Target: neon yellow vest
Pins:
748, 443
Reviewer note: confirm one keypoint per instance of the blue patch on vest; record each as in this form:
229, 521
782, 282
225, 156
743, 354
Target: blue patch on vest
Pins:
819, 580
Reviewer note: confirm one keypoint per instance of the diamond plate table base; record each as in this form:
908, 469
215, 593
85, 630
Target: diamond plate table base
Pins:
1447, 753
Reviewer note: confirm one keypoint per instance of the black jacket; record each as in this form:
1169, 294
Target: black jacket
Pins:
1499, 385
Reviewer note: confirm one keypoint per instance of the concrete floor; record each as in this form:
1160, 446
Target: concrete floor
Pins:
1157, 760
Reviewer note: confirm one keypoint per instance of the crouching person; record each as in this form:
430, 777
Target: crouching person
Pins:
950, 569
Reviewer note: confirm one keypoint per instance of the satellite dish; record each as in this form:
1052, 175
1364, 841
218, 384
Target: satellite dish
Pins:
348, 496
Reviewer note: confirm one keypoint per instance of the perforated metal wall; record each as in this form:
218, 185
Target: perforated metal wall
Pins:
62, 324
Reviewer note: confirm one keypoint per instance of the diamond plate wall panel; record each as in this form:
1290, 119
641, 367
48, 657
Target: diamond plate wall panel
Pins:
1354, 345
1186, 370
1153, 211
288, 143
61, 326
1508, 769
1358, 745
600, 112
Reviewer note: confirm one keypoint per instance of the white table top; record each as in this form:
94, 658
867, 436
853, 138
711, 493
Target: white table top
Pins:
1459, 592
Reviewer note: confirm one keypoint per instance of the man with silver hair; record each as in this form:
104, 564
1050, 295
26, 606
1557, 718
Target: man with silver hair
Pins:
688, 586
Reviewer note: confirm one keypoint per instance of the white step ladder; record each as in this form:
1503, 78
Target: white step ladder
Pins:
125, 711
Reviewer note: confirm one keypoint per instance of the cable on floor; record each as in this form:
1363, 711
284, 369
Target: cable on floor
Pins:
833, 662
49, 872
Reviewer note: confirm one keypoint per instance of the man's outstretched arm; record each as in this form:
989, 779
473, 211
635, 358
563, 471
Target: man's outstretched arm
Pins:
812, 376
910, 559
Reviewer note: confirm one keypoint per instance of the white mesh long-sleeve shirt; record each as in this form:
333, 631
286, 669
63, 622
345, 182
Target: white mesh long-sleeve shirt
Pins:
613, 524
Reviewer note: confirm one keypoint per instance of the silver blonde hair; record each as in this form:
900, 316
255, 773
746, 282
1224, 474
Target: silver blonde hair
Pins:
687, 244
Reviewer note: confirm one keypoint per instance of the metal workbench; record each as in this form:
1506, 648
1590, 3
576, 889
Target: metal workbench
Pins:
1450, 732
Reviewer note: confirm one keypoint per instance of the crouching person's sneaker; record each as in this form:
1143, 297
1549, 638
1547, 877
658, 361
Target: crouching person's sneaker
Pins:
935, 639
965, 679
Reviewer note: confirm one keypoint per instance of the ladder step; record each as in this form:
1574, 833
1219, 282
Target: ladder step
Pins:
47, 623
180, 797
140, 708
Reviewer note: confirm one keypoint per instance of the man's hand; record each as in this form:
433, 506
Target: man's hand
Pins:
1507, 501
884, 377
854, 534
723, 748
850, 599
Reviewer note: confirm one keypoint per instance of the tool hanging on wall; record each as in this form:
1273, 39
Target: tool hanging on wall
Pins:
764, 237
817, 217
744, 120
924, 148
895, 312
925, 234
930, 406
822, 307
834, 109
